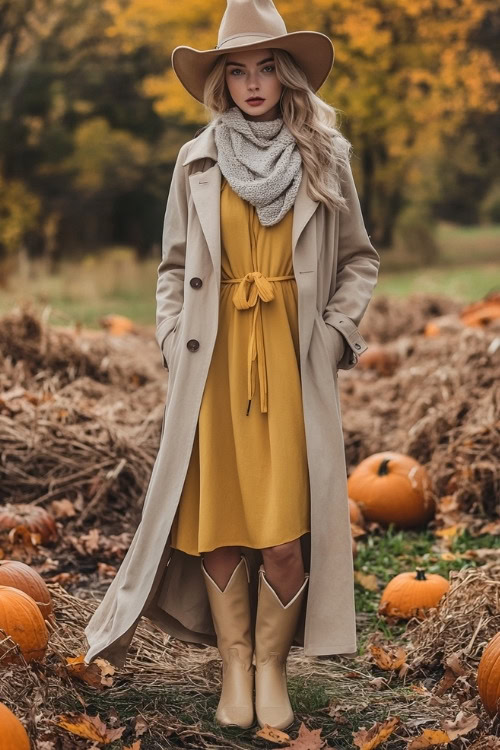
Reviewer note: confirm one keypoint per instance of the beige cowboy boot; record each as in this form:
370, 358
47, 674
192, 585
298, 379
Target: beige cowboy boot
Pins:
231, 616
274, 631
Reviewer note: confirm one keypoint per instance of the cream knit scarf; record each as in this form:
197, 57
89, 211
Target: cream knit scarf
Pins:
261, 162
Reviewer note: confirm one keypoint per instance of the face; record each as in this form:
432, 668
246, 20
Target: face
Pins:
252, 74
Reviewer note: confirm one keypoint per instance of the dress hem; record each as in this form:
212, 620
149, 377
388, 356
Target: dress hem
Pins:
242, 544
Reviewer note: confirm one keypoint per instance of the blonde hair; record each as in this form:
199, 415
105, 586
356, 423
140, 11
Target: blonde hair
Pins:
311, 121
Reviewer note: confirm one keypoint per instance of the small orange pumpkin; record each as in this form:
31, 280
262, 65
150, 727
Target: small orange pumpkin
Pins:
379, 358
355, 514
411, 594
481, 318
488, 676
20, 576
21, 619
13, 735
34, 517
392, 487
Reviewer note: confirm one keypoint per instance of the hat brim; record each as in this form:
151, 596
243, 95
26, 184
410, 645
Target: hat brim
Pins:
192, 66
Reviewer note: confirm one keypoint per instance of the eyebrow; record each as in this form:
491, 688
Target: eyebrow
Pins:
242, 65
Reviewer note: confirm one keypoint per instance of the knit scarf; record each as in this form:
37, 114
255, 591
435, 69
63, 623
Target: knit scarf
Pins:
261, 162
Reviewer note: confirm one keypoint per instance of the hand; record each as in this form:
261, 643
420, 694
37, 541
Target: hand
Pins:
339, 343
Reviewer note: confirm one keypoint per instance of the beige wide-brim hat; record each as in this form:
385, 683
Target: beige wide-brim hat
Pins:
254, 24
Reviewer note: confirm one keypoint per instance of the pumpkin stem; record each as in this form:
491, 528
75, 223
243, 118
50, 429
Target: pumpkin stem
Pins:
383, 468
420, 574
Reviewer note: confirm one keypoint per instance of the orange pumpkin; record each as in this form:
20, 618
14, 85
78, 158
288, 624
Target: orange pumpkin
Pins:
35, 518
392, 488
379, 358
483, 312
411, 594
21, 619
20, 576
355, 514
13, 735
488, 676
354, 547
442, 325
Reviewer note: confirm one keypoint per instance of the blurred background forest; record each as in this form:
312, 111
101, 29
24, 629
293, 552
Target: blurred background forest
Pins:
92, 117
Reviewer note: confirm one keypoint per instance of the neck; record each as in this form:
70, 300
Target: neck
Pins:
271, 114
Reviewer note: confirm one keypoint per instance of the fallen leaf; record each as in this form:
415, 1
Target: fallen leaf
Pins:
463, 724
367, 580
271, 734
98, 673
90, 727
428, 738
308, 739
388, 659
379, 732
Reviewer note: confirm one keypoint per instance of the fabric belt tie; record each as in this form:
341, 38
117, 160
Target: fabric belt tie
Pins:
259, 289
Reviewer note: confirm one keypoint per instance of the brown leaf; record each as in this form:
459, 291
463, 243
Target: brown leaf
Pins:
62, 508
273, 735
463, 724
135, 746
367, 580
98, 673
140, 726
379, 732
388, 659
90, 727
308, 739
428, 738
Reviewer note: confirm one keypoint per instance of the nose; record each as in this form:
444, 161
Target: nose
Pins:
252, 81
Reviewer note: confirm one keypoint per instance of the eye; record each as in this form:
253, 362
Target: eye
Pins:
270, 68
234, 70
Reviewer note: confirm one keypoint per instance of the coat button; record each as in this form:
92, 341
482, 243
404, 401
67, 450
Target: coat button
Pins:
358, 346
193, 345
196, 282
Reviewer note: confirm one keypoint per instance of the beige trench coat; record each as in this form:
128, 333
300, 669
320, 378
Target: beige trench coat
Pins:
336, 270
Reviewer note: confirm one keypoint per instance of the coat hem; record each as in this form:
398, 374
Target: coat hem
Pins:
342, 649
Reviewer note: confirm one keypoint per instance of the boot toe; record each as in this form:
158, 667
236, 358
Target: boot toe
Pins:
240, 716
275, 716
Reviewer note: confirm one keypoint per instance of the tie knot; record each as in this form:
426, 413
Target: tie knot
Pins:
260, 287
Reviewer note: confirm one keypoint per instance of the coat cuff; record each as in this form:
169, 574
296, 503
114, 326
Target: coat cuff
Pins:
355, 341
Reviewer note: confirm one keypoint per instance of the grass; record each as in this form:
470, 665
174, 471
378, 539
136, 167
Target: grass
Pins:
188, 713
399, 551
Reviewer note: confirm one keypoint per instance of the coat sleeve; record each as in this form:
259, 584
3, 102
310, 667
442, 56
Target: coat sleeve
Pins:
170, 283
357, 274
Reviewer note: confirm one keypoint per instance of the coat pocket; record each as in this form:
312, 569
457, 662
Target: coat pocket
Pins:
335, 343
166, 344
338, 343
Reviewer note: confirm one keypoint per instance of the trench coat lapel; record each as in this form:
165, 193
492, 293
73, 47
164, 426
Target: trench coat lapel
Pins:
205, 189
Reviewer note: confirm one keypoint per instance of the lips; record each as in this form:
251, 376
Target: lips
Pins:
255, 99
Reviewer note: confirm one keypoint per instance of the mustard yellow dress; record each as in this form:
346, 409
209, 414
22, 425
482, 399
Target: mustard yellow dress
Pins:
247, 482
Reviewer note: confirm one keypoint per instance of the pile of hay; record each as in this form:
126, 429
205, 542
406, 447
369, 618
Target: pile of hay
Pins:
80, 415
171, 689
459, 628
439, 403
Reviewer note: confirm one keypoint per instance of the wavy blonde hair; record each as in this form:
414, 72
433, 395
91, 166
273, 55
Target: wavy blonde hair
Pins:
312, 122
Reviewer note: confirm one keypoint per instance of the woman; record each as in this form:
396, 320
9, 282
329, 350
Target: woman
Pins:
266, 273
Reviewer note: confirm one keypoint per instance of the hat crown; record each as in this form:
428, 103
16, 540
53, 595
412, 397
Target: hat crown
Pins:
250, 17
